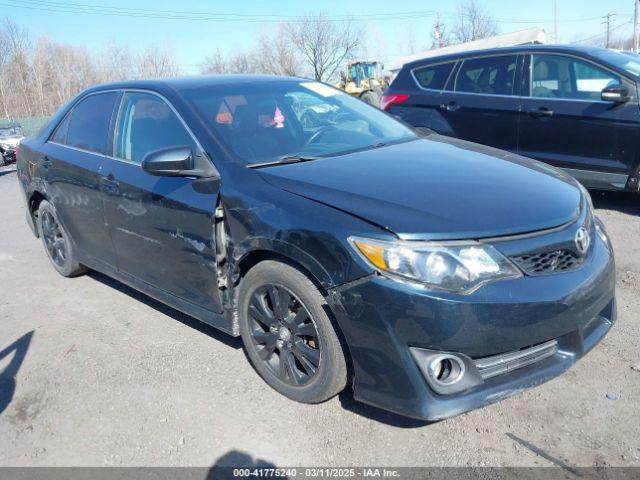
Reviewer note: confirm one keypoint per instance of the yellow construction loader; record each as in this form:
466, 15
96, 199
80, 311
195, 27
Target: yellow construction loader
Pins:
364, 80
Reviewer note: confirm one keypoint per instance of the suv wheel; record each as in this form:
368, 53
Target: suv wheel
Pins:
287, 334
56, 242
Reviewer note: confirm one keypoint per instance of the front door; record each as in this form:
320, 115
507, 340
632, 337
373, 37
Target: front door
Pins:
564, 121
162, 227
482, 104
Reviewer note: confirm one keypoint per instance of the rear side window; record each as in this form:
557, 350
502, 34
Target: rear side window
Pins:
60, 134
557, 76
487, 75
89, 123
147, 124
433, 77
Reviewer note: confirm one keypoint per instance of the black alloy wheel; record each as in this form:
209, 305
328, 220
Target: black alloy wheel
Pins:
288, 335
285, 336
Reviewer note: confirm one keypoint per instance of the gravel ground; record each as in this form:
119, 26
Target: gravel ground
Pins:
111, 377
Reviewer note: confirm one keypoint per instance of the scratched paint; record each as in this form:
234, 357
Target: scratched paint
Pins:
198, 245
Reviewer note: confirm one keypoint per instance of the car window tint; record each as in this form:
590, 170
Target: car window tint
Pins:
433, 77
89, 123
60, 134
487, 76
147, 124
557, 76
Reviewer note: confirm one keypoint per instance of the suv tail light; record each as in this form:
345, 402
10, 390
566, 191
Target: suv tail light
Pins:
392, 99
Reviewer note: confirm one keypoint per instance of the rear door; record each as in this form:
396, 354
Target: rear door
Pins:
162, 227
564, 121
481, 104
70, 165
423, 86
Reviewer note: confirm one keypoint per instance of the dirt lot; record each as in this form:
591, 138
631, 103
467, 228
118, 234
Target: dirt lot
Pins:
107, 376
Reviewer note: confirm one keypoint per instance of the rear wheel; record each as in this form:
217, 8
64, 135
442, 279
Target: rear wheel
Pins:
287, 334
56, 242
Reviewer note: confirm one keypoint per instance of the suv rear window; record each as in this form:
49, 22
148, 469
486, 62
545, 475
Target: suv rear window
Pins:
433, 77
487, 75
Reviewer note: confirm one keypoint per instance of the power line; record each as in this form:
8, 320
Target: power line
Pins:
593, 37
93, 9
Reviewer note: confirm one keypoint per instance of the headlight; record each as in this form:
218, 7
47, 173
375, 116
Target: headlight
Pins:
460, 267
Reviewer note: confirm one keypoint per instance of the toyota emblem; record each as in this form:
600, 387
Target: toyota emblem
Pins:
582, 240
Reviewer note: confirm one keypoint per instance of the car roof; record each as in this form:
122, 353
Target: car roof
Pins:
181, 83
580, 49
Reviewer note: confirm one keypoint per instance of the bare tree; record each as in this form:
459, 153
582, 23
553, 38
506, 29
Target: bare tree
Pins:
215, 64
157, 62
276, 55
473, 23
324, 45
116, 63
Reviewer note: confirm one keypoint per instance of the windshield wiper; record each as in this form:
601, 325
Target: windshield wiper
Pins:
284, 160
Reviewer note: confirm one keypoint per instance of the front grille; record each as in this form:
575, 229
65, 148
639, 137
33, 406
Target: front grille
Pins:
506, 362
547, 262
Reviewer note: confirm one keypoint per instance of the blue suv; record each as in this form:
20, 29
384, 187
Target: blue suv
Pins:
572, 107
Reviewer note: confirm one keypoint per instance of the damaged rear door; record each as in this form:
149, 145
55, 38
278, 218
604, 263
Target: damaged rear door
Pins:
162, 227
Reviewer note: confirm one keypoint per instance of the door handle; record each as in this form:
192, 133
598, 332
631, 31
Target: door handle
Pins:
46, 163
541, 112
450, 107
110, 184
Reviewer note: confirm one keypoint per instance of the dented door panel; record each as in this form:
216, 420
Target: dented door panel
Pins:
163, 230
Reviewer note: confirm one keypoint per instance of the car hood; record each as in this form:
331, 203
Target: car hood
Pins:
437, 188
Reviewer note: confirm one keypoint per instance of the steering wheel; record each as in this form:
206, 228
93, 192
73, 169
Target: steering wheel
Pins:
318, 134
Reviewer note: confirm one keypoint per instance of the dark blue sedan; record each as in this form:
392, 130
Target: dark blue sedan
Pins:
429, 274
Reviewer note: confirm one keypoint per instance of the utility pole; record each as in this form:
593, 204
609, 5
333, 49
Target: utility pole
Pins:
607, 21
635, 26
438, 33
555, 20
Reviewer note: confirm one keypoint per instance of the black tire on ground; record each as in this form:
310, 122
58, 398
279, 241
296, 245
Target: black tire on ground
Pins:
319, 366
57, 243
371, 98
3, 162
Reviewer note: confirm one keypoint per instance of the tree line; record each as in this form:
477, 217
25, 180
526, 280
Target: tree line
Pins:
38, 76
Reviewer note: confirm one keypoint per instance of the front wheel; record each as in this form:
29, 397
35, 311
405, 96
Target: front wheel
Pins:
371, 98
56, 242
287, 334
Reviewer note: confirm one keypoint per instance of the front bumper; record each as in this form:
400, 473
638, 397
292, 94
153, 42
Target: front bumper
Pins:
382, 318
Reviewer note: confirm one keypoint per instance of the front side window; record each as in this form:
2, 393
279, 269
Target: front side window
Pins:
262, 122
89, 122
433, 77
557, 76
146, 124
487, 75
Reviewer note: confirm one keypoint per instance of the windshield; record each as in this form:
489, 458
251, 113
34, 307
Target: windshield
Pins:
628, 61
269, 121
362, 71
6, 132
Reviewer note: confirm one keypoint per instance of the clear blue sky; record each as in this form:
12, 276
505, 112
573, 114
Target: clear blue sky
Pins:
191, 40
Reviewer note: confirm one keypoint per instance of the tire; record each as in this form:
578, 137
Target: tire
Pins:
3, 162
371, 98
270, 280
57, 243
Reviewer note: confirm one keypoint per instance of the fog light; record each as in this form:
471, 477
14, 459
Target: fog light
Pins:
445, 369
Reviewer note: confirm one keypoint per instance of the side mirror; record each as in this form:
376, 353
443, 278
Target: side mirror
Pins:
615, 94
170, 162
